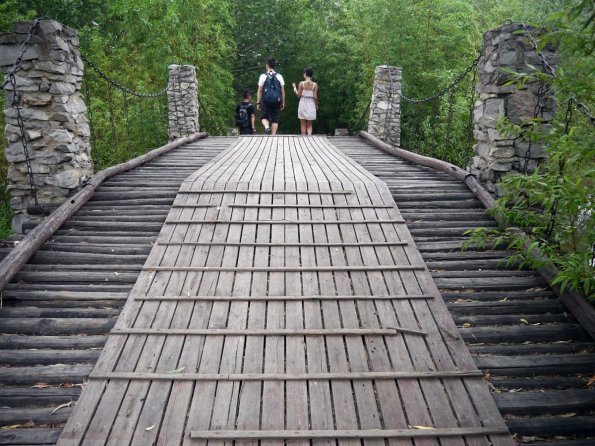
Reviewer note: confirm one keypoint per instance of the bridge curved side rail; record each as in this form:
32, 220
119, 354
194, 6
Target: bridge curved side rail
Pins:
574, 301
19, 256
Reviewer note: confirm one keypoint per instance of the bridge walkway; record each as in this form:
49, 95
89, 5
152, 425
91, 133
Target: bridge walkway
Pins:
285, 300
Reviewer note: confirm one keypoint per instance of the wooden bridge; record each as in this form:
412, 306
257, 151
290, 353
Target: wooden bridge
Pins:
273, 290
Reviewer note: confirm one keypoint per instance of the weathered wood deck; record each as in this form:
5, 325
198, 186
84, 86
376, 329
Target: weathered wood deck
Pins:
285, 300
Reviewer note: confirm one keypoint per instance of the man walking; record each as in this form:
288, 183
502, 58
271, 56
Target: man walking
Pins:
270, 98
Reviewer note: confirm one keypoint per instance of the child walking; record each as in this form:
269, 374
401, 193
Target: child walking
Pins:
245, 115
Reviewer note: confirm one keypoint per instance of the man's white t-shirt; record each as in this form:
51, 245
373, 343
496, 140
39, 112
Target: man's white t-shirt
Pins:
263, 78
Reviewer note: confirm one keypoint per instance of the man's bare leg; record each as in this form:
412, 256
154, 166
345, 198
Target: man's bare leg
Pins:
274, 127
266, 124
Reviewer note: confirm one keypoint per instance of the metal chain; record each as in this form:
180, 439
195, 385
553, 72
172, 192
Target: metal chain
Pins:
546, 65
451, 106
112, 121
536, 112
90, 112
446, 89
582, 108
17, 63
16, 103
470, 125
119, 86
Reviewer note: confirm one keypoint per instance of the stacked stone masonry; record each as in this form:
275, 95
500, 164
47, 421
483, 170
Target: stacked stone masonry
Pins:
182, 101
48, 87
508, 48
385, 108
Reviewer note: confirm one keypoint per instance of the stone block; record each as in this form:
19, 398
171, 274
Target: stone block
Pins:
51, 67
501, 165
68, 179
538, 151
33, 135
36, 99
502, 152
62, 88
520, 106
9, 53
60, 135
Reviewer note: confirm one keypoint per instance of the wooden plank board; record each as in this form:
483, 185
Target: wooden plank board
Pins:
285, 300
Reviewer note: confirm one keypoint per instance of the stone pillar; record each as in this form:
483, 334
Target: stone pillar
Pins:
53, 111
182, 101
498, 154
385, 108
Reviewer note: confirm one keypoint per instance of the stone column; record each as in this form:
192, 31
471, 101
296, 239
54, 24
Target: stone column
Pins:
385, 108
53, 111
182, 101
498, 154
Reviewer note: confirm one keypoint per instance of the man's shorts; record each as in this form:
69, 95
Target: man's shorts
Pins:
272, 114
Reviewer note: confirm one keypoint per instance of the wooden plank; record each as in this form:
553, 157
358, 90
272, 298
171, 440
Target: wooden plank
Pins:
359, 434
281, 244
266, 332
307, 206
285, 222
268, 191
182, 376
265, 269
289, 298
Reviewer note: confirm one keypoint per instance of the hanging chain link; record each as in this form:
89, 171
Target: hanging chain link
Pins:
16, 103
470, 124
17, 63
119, 86
546, 65
448, 88
582, 108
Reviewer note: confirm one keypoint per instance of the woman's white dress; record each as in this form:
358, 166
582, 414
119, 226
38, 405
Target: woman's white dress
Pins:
307, 107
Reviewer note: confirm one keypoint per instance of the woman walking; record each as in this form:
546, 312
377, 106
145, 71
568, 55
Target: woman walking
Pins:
308, 94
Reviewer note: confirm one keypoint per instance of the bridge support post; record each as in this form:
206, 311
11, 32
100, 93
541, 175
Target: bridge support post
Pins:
48, 149
510, 47
182, 101
385, 108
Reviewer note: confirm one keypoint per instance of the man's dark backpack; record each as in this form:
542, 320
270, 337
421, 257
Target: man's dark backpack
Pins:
271, 91
242, 116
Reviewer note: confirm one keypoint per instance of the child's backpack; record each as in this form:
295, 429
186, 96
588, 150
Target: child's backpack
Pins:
242, 116
271, 91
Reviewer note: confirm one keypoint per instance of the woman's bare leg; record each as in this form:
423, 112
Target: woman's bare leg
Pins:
309, 127
303, 127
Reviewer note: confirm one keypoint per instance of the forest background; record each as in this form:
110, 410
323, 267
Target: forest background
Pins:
228, 41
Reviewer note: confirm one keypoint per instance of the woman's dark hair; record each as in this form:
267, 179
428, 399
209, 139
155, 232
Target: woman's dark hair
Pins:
308, 71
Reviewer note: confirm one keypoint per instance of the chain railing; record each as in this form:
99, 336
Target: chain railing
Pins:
123, 122
15, 101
